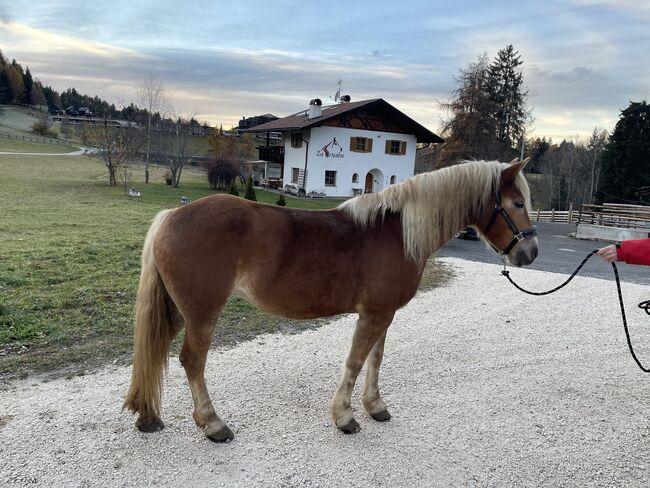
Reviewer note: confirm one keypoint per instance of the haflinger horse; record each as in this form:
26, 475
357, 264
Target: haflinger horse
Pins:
365, 256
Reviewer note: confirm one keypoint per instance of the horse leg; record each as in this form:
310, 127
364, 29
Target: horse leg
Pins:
198, 336
370, 327
370, 396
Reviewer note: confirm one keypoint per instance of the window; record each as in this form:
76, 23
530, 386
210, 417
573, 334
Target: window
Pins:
330, 178
360, 144
392, 180
296, 140
355, 178
295, 174
396, 147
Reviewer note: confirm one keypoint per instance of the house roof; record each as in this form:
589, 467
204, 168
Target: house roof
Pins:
376, 106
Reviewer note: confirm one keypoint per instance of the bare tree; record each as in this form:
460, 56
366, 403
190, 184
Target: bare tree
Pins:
154, 98
594, 150
175, 137
115, 146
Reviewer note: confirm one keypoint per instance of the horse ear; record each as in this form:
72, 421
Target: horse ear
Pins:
510, 173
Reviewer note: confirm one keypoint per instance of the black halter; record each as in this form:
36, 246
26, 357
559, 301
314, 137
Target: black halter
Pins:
517, 235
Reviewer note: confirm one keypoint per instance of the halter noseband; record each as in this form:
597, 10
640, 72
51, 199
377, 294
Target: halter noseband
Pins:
518, 236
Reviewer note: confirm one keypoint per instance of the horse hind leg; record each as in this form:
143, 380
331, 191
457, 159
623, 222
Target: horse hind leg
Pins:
370, 397
370, 328
198, 336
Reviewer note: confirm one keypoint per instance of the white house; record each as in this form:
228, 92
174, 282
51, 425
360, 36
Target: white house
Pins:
346, 149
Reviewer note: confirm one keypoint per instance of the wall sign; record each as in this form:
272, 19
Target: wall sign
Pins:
331, 150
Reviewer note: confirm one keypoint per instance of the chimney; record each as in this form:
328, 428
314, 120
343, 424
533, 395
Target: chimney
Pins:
314, 108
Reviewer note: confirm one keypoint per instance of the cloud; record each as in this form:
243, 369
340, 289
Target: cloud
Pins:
37, 40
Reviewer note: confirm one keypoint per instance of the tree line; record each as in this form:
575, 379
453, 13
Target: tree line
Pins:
488, 116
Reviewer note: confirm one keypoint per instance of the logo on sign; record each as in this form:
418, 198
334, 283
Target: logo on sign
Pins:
331, 150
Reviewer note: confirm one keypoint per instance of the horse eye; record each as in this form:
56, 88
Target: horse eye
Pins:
519, 204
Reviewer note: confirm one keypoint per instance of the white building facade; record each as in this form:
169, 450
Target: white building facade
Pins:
348, 149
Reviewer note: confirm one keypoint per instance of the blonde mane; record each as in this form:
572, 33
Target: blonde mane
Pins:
434, 206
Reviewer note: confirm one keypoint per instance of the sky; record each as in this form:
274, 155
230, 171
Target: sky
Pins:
584, 60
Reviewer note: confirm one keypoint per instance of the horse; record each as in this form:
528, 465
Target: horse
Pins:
366, 256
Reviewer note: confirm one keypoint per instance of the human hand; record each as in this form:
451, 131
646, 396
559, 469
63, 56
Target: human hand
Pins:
608, 253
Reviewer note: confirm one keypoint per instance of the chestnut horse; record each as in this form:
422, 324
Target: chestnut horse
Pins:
366, 256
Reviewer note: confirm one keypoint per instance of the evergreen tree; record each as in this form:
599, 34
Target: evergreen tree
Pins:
233, 189
36, 95
16, 80
470, 130
28, 83
7, 94
281, 201
250, 191
506, 91
626, 159
488, 110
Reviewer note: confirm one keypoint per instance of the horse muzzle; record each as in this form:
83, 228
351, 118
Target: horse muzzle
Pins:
524, 253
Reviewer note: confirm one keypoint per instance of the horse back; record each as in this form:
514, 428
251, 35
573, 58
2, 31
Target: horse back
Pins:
290, 262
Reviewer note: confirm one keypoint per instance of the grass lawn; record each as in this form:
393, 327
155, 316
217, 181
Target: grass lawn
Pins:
69, 264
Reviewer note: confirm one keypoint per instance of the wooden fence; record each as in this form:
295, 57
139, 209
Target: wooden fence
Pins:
46, 140
608, 214
616, 215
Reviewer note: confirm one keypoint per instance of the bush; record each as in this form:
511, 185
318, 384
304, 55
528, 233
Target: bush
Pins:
250, 192
233, 189
281, 201
221, 173
42, 128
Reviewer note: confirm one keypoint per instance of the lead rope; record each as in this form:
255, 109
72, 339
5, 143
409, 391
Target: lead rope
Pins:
643, 305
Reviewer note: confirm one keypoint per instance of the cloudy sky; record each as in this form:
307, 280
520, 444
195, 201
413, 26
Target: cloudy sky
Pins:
584, 60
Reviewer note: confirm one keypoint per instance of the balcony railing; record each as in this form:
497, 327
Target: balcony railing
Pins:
273, 154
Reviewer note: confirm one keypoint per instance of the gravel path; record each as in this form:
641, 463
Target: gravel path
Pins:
487, 387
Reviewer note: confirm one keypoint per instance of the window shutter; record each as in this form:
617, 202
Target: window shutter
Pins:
387, 147
353, 141
402, 147
368, 145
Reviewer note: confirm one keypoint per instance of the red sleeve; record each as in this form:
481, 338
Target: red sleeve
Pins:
635, 252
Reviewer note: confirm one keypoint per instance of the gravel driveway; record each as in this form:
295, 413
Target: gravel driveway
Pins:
487, 387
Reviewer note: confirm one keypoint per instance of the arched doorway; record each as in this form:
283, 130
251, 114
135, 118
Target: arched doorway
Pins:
374, 181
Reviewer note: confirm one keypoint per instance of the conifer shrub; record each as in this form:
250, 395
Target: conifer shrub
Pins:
250, 191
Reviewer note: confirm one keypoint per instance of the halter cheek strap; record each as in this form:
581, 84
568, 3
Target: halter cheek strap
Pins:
518, 235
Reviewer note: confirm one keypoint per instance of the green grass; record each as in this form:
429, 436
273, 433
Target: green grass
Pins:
12, 145
69, 263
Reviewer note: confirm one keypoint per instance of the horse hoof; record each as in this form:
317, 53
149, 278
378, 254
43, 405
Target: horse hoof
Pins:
352, 427
222, 435
382, 416
149, 424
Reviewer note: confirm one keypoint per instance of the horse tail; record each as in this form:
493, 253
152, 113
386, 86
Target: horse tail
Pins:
156, 324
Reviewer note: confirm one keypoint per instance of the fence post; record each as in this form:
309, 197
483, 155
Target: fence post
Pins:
580, 215
570, 213
552, 215
537, 215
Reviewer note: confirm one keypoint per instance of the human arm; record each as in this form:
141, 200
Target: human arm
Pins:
634, 252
